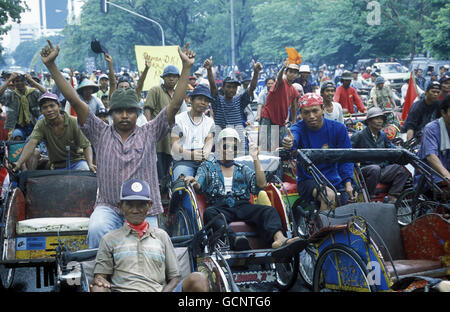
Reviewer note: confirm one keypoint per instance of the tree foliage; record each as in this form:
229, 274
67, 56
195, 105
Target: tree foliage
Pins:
324, 31
10, 11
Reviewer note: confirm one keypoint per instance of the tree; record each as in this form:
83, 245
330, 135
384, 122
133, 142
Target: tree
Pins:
27, 52
437, 37
10, 10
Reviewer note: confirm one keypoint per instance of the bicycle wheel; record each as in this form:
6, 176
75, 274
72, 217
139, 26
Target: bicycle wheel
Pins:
7, 276
407, 206
307, 262
286, 273
340, 268
181, 224
305, 219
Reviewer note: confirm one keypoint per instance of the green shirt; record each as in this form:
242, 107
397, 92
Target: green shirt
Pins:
382, 96
157, 99
56, 145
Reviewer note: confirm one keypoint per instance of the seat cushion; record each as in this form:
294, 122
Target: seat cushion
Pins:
405, 267
255, 240
45, 225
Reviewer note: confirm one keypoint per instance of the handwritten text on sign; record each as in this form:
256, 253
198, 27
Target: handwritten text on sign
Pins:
160, 57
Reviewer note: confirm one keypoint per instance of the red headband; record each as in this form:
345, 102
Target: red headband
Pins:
310, 99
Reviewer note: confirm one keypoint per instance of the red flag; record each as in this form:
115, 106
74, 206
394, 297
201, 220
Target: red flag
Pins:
411, 95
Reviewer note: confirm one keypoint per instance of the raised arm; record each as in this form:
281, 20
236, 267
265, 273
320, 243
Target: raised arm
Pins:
280, 74
140, 84
257, 67
33, 83
188, 58
49, 54
111, 74
7, 82
212, 82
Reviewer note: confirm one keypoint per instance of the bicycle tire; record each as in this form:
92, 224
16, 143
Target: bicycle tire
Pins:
406, 212
181, 224
286, 273
307, 262
348, 252
7, 277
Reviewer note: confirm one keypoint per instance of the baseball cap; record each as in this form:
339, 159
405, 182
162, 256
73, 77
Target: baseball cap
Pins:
310, 99
170, 70
327, 84
231, 80
135, 189
228, 133
48, 96
445, 77
434, 85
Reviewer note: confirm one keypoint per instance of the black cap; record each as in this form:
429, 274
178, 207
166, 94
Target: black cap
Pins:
231, 80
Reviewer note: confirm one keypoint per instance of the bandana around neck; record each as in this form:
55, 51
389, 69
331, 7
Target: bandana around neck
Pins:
140, 229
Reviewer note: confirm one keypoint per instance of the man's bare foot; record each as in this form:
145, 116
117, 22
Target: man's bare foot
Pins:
279, 243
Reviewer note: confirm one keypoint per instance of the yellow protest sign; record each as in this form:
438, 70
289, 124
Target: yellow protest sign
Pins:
160, 57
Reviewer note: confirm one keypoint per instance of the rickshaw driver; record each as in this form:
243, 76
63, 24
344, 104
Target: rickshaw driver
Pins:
123, 150
139, 257
315, 131
435, 146
228, 185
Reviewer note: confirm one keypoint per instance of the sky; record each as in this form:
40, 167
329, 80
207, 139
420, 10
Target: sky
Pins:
31, 16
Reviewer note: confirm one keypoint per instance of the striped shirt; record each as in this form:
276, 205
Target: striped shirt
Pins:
143, 264
119, 161
229, 114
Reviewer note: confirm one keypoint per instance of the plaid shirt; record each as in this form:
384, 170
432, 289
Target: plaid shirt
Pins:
119, 161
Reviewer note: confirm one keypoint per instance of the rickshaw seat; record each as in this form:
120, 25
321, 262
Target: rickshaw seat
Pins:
239, 227
58, 193
404, 267
63, 198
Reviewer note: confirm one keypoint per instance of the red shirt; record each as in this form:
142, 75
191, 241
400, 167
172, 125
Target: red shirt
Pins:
348, 97
366, 75
278, 102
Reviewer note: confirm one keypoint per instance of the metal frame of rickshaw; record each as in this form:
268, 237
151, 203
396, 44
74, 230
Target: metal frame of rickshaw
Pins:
221, 251
9, 261
307, 158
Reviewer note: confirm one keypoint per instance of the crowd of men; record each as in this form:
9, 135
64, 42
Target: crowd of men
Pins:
192, 127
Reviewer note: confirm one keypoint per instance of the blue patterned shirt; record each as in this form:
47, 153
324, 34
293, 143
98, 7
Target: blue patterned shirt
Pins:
210, 177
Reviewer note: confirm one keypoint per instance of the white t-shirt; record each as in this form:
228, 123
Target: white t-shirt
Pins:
228, 183
336, 114
192, 135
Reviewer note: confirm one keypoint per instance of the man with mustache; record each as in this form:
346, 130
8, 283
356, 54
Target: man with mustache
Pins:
123, 149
